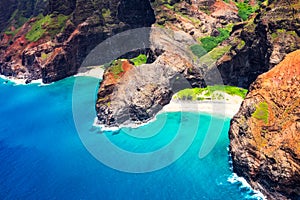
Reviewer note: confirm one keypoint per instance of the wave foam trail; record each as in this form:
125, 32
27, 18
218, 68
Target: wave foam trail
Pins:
245, 187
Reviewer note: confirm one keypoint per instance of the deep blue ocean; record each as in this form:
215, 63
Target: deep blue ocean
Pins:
43, 155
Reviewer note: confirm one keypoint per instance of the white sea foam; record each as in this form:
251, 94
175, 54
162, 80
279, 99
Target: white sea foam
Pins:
45, 84
251, 193
17, 81
116, 128
104, 127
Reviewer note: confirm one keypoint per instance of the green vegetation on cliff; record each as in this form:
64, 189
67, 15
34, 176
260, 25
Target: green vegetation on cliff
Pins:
106, 13
13, 33
262, 112
245, 10
49, 24
139, 60
241, 44
210, 92
171, 7
211, 57
116, 67
208, 43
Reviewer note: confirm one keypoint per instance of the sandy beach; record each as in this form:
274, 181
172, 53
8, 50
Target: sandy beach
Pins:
95, 72
220, 108
227, 107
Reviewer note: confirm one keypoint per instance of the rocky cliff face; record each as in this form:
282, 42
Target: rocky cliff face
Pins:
261, 43
52, 46
17, 12
253, 47
265, 133
135, 94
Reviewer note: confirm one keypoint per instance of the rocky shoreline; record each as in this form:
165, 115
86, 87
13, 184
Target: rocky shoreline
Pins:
17, 81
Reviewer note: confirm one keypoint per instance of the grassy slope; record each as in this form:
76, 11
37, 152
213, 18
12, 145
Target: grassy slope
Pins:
46, 25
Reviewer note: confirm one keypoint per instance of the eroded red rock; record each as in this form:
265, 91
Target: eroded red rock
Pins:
265, 146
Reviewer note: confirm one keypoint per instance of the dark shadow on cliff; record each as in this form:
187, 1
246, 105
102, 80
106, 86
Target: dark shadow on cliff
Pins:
136, 13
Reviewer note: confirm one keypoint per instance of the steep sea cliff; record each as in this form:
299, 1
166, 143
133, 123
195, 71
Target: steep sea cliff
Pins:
265, 134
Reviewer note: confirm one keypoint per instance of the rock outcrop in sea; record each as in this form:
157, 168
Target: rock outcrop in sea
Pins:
135, 94
265, 133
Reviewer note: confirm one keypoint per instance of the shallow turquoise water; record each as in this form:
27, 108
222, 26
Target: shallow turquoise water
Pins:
42, 156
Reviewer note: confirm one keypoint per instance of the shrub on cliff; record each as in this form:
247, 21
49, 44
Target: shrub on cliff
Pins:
245, 10
208, 92
210, 42
262, 112
139, 60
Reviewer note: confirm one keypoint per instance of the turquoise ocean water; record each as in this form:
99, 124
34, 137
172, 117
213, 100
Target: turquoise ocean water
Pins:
42, 155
